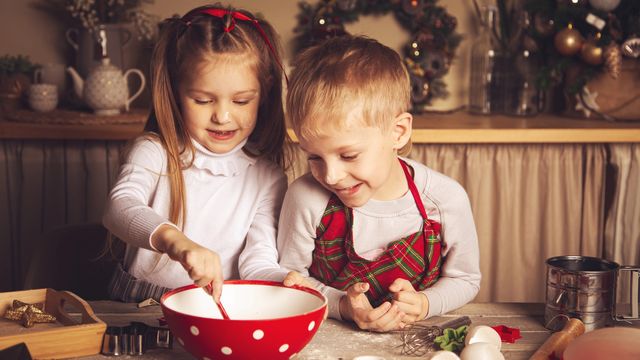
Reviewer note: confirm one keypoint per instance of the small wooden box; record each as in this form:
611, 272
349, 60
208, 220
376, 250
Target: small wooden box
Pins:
63, 339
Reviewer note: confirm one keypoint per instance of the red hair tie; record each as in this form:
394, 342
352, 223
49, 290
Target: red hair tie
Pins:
235, 15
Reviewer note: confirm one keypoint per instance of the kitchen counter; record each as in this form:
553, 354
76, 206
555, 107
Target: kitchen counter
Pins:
339, 340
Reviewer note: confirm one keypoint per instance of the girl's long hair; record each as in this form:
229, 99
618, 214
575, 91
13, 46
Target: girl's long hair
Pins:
184, 43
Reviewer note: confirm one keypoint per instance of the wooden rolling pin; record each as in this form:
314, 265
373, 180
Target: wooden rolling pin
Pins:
557, 342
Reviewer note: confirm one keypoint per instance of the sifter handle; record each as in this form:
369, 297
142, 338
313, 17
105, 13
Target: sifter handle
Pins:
633, 296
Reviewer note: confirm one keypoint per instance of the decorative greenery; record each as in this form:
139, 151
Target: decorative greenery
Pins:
428, 54
452, 339
609, 30
89, 14
16, 64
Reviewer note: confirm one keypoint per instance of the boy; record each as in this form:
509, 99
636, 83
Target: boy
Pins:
386, 239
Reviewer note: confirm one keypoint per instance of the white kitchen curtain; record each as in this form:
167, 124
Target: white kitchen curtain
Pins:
530, 202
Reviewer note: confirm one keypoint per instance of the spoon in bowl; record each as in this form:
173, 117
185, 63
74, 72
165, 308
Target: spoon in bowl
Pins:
219, 304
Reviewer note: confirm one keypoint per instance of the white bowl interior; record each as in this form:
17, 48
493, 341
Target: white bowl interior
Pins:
245, 302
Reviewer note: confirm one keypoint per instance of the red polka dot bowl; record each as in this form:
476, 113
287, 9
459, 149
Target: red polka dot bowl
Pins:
267, 320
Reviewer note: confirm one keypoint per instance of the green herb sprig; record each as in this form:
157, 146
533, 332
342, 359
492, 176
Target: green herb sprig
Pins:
452, 339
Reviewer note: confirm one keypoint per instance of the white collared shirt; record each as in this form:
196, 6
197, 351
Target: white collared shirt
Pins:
232, 206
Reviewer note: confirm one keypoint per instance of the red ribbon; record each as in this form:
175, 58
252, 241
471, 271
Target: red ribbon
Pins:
235, 15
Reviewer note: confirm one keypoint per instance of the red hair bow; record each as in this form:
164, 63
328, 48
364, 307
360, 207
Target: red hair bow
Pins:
236, 15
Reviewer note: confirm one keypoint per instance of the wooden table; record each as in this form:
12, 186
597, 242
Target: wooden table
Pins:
339, 340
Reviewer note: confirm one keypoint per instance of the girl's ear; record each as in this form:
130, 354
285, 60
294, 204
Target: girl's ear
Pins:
401, 130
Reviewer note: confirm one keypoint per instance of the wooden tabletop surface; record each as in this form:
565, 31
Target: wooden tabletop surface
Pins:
339, 340
455, 128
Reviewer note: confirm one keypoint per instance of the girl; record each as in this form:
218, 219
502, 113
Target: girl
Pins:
205, 184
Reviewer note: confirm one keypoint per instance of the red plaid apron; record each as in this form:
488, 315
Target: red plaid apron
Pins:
415, 257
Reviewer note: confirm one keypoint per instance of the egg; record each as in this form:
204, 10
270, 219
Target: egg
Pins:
481, 351
483, 334
444, 355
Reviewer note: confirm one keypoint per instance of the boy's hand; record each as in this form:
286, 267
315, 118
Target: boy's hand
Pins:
414, 304
202, 264
295, 278
356, 307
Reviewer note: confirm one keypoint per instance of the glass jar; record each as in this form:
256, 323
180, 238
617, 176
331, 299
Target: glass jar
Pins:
484, 51
502, 79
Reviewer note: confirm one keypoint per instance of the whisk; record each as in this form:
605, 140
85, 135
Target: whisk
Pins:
418, 339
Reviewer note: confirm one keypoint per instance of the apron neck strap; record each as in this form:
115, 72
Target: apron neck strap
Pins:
413, 189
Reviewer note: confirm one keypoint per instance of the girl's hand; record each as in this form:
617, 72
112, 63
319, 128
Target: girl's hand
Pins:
414, 304
295, 278
356, 307
202, 264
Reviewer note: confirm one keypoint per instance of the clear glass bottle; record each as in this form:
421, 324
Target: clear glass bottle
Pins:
483, 56
526, 91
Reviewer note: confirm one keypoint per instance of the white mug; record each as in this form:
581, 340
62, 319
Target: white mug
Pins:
52, 73
43, 97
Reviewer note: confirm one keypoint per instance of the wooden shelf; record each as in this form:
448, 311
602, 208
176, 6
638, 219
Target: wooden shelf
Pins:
464, 128
15, 130
456, 128
71, 125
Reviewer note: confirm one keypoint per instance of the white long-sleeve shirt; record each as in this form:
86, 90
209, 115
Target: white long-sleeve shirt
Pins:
378, 223
232, 205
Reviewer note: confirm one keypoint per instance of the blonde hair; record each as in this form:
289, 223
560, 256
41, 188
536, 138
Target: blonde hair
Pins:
344, 73
182, 45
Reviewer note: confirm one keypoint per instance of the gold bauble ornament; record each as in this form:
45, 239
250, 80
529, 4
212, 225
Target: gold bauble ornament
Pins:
591, 53
568, 41
604, 5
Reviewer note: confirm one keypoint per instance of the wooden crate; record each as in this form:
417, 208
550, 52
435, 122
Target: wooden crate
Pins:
63, 339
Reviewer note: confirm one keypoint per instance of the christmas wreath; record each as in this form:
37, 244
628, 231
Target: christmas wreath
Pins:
427, 55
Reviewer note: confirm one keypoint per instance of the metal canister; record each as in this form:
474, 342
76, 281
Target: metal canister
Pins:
584, 287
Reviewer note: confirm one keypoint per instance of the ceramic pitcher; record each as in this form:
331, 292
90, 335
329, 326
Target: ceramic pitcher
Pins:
90, 47
106, 89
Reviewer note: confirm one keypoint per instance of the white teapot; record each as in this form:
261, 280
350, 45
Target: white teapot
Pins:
105, 90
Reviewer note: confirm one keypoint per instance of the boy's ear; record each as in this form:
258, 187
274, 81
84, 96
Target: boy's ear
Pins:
401, 130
